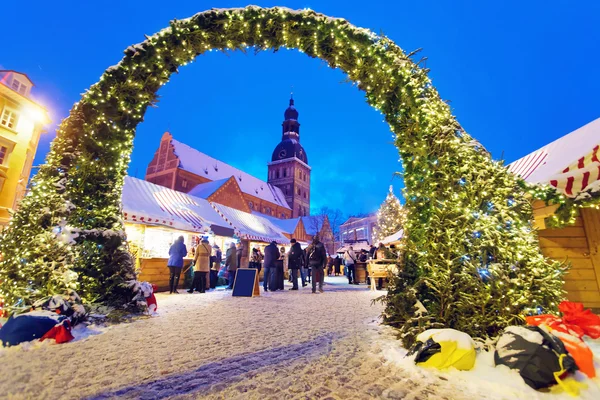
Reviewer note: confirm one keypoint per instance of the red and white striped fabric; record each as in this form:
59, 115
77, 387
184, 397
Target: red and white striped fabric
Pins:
570, 163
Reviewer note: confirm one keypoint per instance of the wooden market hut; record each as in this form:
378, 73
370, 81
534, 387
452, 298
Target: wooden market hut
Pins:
570, 164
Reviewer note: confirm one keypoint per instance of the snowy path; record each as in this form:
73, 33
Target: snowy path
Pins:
292, 345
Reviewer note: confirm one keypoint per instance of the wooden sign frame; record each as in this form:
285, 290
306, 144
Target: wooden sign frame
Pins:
256, 286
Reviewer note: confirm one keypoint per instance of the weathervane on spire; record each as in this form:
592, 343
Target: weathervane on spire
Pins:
292, 96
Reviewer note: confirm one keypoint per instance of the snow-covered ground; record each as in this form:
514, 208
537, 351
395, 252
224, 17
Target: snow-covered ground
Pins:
282, 345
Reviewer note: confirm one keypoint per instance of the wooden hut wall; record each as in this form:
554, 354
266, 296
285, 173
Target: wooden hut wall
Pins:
577, 244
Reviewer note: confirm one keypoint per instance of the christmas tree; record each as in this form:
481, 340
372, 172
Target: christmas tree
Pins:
391, 217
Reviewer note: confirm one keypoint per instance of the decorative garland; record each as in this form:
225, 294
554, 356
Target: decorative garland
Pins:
472, 258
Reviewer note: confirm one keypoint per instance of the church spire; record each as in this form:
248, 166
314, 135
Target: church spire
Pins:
291, 127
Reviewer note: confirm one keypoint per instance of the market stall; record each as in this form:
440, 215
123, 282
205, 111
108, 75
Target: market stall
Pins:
155, 216
253, 229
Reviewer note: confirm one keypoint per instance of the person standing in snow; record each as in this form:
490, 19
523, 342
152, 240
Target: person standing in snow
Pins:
350, 260
240, 253
271, 256
337, 264
295, 262
281, 268
316, 258
201, 267
329, 265
177, 252
231, 263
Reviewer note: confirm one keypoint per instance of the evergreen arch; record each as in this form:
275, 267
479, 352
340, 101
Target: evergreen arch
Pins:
472, 258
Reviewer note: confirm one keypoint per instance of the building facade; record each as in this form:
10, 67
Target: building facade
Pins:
21, 124
358, 229
180, 167
289, 169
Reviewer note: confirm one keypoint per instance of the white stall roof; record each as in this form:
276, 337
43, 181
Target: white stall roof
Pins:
396, 237
251, 226
145, 202
286, 225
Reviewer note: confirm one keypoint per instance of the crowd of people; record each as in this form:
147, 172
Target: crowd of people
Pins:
307, 265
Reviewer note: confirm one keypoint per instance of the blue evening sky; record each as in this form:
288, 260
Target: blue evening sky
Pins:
519, 74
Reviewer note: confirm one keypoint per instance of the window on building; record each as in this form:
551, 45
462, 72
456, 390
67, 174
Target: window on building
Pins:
304, 194
251, 205
19, 86
9, 118
285, 172
184, 184
282, 216
300, 211
299, 174
277, 174
298, 191
268, 210
304, 178
3, 154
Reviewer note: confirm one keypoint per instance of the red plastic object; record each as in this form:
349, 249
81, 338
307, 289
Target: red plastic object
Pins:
60, 332
574, 314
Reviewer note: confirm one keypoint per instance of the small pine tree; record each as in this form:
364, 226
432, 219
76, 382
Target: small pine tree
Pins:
391, 217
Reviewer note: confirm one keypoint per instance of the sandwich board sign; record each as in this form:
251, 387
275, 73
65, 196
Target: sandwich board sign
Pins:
245, 283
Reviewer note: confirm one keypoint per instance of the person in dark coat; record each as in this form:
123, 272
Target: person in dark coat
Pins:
316, 258
231, 264
329, 265
240, 253
295, 262
177, 252
281, 262
372, 252
337, 265
215, 262
271, 256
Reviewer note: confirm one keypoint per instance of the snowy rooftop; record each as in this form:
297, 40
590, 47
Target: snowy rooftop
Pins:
286, 225
251, 226
145, 202
394, 237
201, 164
569, 164
205, 190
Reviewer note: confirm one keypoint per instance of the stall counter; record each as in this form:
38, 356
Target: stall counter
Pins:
155, 270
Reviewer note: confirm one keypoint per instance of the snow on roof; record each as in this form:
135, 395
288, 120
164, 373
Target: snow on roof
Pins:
251, 226
286, 225
394, 237
355, 246
205, 190
145, 202
201, 164
570, 163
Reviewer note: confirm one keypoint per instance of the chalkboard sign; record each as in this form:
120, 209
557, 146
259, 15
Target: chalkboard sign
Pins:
245, 283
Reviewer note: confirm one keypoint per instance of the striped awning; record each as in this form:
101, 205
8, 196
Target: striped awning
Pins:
570, 163
145, 202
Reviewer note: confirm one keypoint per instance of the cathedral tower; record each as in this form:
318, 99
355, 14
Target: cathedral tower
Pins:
289, 168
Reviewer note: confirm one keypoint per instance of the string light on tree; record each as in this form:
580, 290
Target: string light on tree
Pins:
391, 217
448, 177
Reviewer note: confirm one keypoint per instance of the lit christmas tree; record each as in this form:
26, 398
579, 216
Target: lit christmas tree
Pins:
391, 217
